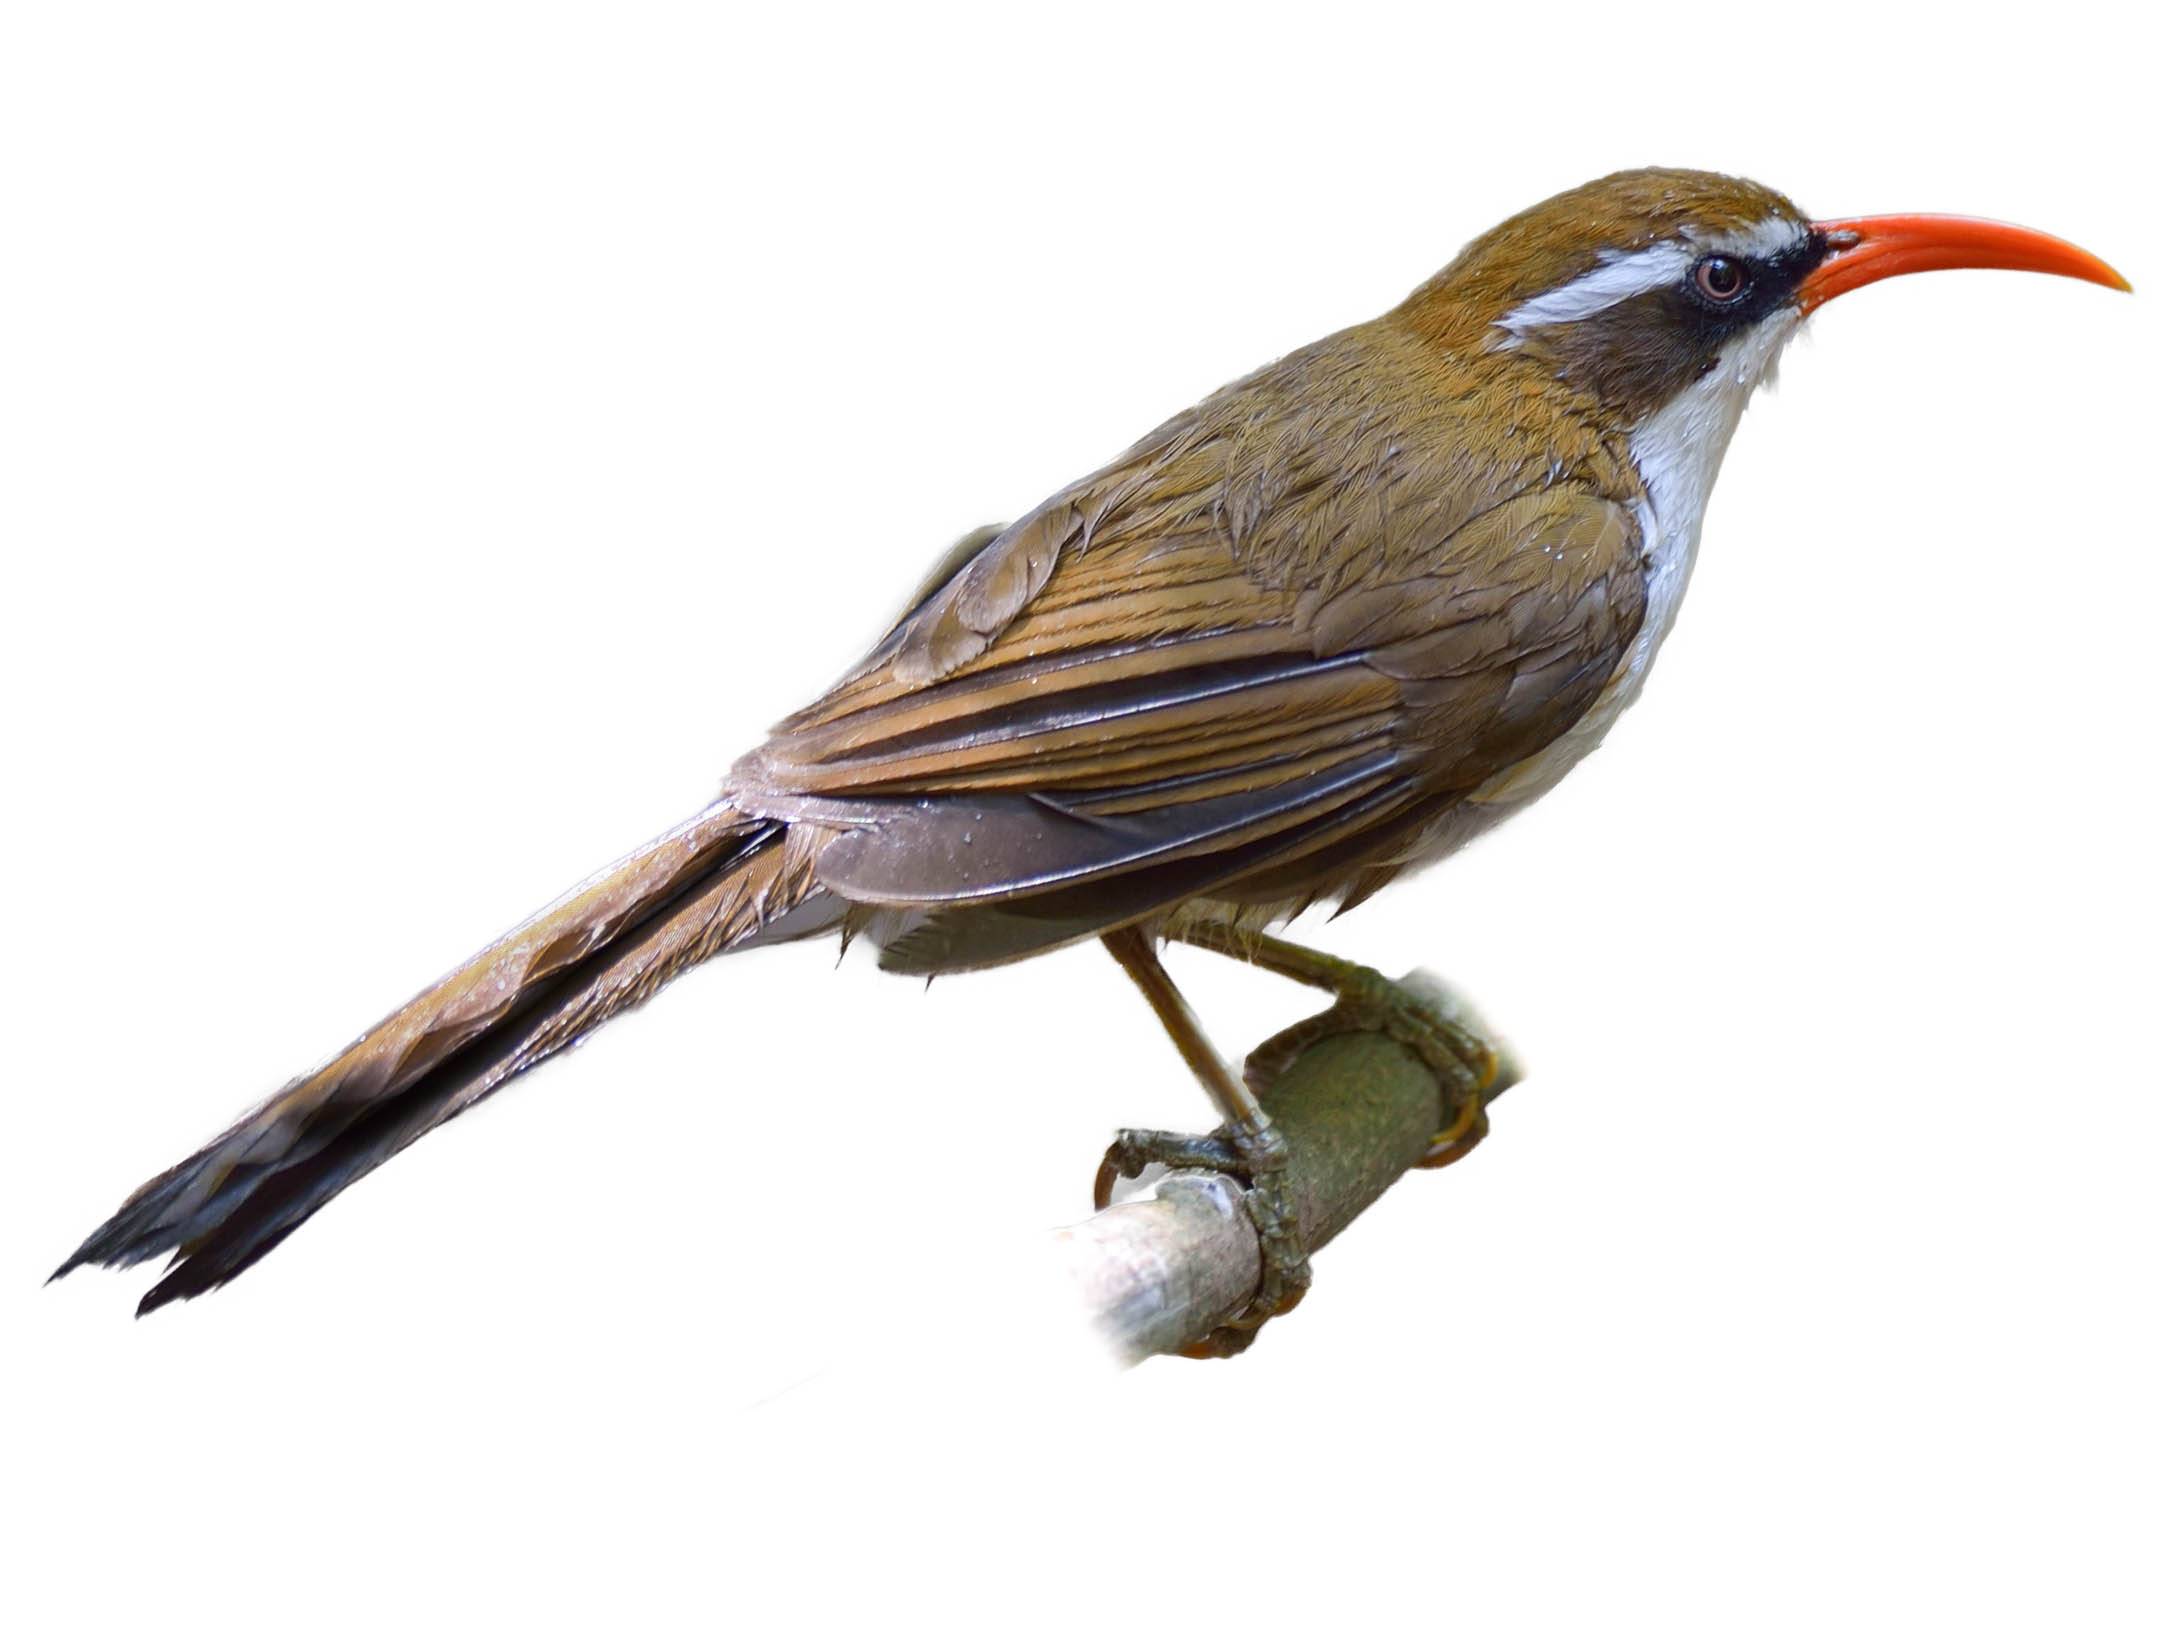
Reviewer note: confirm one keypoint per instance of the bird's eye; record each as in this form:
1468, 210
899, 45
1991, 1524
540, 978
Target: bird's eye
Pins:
1720, 278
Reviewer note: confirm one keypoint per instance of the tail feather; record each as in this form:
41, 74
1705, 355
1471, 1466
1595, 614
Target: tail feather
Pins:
706, 886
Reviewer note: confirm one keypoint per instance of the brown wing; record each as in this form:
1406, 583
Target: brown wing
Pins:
1128, 699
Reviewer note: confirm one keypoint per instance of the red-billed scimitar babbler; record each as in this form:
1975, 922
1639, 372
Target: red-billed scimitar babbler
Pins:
1301, 640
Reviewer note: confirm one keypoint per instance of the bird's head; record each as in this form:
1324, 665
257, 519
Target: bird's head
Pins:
1634, 286
1667, 294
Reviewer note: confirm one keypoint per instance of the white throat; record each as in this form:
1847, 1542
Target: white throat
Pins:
1678, 452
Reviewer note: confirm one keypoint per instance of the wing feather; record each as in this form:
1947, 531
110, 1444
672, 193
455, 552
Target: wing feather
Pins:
1157, 682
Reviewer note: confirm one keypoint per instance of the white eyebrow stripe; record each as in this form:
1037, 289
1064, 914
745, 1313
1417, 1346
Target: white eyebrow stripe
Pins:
1764, 241
1617, 278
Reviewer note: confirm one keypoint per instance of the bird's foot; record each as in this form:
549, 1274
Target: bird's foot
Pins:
1248, 1147
1467, 1066
1255, 1155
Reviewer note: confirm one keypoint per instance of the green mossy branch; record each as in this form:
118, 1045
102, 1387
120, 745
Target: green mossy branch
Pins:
1157, 1273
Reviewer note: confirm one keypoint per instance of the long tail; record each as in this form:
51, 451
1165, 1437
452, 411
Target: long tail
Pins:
706, 886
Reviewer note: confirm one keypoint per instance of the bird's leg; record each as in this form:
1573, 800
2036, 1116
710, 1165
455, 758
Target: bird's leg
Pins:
1248, 1147
1366, 1001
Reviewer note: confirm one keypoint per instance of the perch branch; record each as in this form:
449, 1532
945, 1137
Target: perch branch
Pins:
1156, 1273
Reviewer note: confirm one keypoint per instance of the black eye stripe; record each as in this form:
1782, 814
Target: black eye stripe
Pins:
1640, 351
1765, 281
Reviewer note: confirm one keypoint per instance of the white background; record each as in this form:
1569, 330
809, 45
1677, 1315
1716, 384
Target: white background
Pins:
438, 439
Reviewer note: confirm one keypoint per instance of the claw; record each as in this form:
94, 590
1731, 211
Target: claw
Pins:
1257, 1156
1466, 1131
1135, 1149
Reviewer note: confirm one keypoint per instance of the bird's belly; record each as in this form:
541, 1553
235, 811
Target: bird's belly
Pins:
1521, 783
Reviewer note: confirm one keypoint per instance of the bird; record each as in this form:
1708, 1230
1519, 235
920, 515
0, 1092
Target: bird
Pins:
1302, 640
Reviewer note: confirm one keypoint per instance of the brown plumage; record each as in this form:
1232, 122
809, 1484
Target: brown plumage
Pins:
1287, 645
